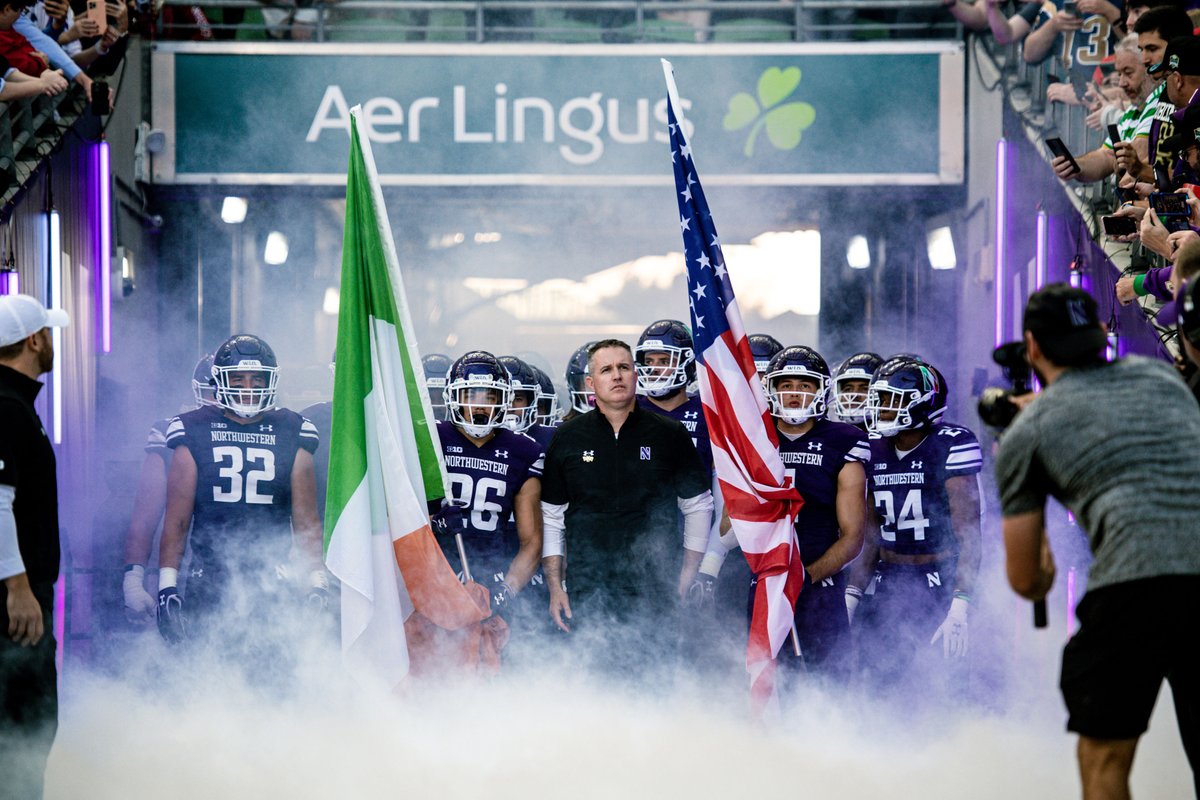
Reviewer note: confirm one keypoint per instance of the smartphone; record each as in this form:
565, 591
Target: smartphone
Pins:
100, 104
1172, 210
1069, 7
1060, 150
98, 13
1114, 135
1119, 226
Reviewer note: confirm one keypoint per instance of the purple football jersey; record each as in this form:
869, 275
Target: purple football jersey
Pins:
485, 480
813, 461
909, 492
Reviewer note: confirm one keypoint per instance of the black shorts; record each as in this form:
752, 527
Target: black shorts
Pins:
1132, 636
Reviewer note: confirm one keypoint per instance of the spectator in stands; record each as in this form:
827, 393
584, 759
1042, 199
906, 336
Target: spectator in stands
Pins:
15, 84
1079, 54
988, 14
1154, 29
57, 20
1134, 124
15, 25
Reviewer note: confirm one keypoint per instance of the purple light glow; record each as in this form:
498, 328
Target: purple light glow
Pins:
1001, 232
10, 282
1039, 264
103, 227
1071, 602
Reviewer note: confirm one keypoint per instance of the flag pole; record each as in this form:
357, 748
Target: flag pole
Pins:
673, 97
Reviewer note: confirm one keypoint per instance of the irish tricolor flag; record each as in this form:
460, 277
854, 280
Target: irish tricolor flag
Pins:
385, 461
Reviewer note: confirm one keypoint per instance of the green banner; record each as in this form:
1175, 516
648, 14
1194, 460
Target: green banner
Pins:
455, 115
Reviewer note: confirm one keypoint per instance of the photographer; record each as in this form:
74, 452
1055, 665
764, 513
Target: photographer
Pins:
1126, 477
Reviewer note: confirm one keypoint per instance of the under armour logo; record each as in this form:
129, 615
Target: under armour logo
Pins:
267, 428
815, 446
691, 415
645, 454
197, 573
501, 454
589, 455
917, 465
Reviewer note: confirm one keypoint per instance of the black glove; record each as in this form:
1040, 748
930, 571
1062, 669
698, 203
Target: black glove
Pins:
701, 594
172, 624
502, 597
449, 520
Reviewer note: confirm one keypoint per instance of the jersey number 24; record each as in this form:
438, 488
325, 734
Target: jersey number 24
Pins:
912, 516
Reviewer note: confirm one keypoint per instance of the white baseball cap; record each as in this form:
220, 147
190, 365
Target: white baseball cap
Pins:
21, 316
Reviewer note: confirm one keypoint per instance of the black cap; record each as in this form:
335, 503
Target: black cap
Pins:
1182, 55
1065, 322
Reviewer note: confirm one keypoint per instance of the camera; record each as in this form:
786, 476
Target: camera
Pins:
996, 407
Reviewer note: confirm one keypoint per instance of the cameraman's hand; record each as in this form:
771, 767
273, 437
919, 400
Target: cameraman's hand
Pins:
1063, 169
1022, 401
1124, 290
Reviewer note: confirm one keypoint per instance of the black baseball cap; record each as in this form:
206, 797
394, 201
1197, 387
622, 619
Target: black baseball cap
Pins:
1187, 130
1182, 55
1065, 321
1186, 308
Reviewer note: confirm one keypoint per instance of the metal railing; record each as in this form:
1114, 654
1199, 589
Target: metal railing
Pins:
569, 21
29, 130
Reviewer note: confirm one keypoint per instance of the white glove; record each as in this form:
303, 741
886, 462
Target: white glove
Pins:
953, 630
853, 598
140, 606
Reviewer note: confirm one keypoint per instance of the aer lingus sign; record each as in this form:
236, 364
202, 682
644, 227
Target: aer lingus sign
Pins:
589, 115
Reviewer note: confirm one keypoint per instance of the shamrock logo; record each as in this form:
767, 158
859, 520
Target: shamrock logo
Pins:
785, 122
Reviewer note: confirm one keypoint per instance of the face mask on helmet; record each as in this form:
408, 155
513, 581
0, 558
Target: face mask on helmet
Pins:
204, 390
662, 368
547, 401
850, 396
247, 388
477, 397
583, 399
796, 395
522, 410
890, 410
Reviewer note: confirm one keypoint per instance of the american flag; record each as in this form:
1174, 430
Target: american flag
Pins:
761, 502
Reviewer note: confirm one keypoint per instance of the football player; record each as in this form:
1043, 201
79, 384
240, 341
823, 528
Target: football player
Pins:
435, 366
495, 479
150, 498
666, 365
583, 399
826, 463
850, 384
923, 538
522, 415
548, 411
763, 347
241, 477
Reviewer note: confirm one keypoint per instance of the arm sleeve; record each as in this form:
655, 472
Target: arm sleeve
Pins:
310, 440
1155, 283
176, 434
10, 551
1018, 471
40, 41
697, 518
553, 528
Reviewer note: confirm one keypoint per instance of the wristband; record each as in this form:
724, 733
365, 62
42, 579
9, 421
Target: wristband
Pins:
1138, 281
168, 578
855, 592
959, 594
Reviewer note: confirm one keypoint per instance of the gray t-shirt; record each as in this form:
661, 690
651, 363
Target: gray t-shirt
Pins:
1119, 445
